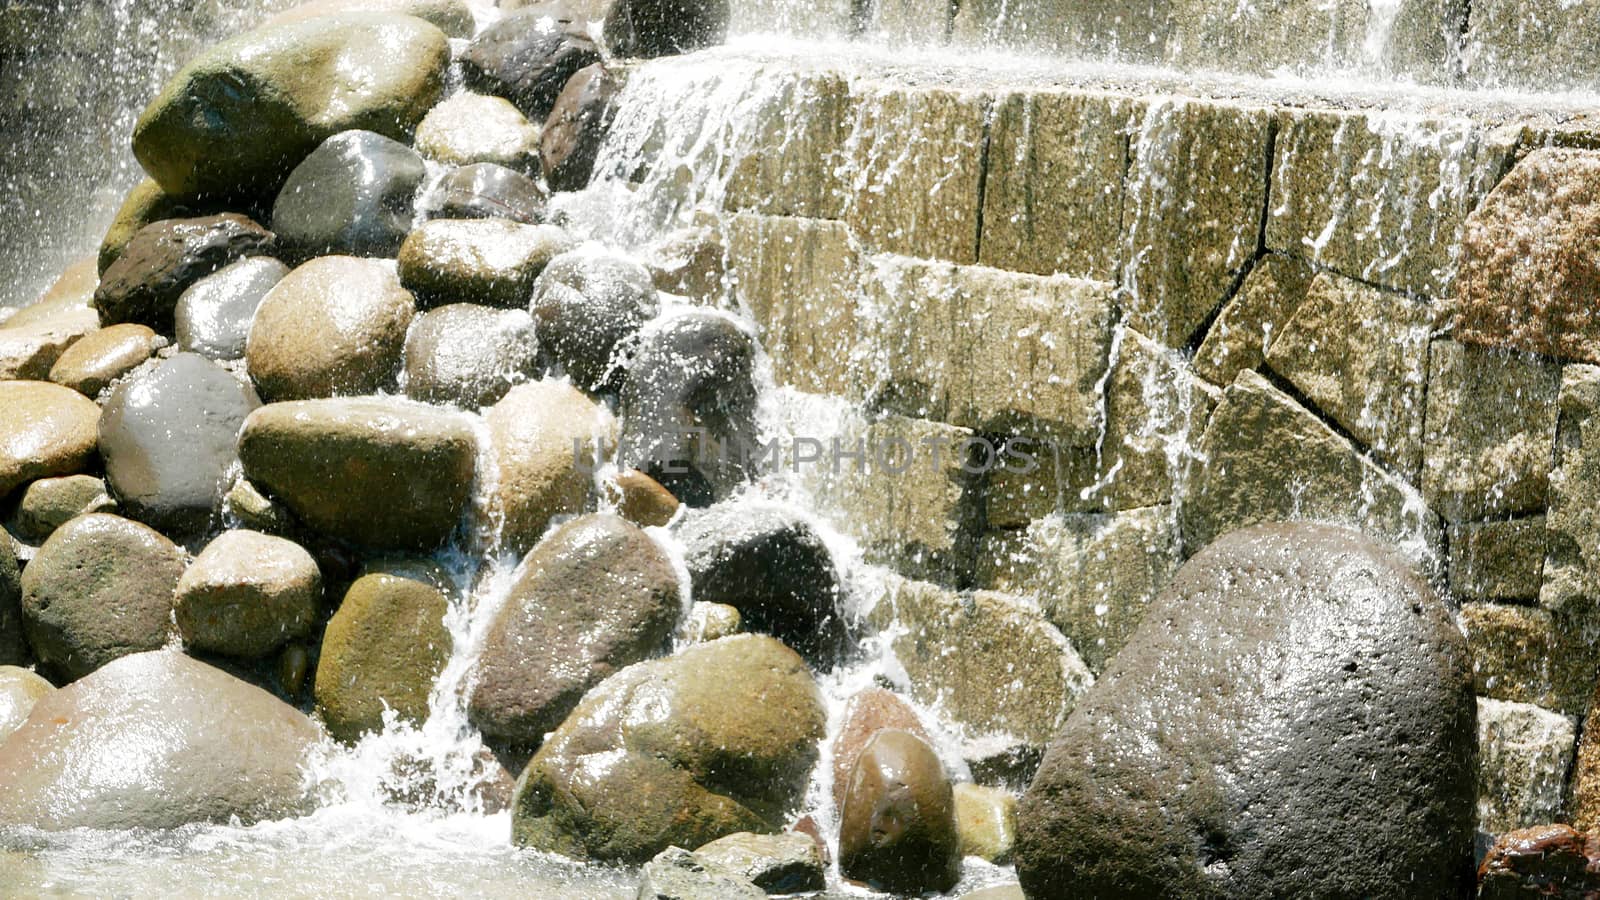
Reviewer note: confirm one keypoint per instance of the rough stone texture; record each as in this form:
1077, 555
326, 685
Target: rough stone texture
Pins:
386, 473
788, 863
246, 594
1093, 575
1542, 861
1491, 432
1156, 411
173, 483
677, 874
13, 642
207, 747
453, 17
690, 262
1196, 169
334, 326
577, 126
866, 713
589, 304
536, 434
353, 195
596, 595
897, 829
100, 588
1036, 478
527, 58
1572, 527
1542, 45
1052, 200
1411, 38
706, 622
1380, 198
1266, 458
1527, 281
91, 364
20, 689
382, 651
213, 317
798, 122
715, 740
486, 191
29, 346
164, 258
471, 128
641, 499
45, 430
1527, 654
493, 262
1361, 356
49, 503
986, 822
1499, 560
1585, 783
469, 355
650, 28
1238, 339
239, 117
1524, 754
1335, 722
988, 662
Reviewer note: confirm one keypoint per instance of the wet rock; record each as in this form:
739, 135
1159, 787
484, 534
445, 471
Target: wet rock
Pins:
1011, 891
353, 195
718, 739
773, 567
595, 596
786, 863
334, 326
707, 622
49, 503
1528, 654
238, 118
677, 874
73, 289
527, 58
1298, 693
1498, 560
986, 822
213, 317
255, 511
20, 689
1542, 861
13, 643
453, 17
1585, 809
386, 473
1154, 405
688, 406
174, 485
589, 304
577, 127
91, 364
382, 651
471, 128
1571, 568
641, 499
487, 191
650, 28
28, 348
867, 713
690, 262
100, 588
1524, 755
164, 258
207, 746
545, 438
1526, 281
897, 828
493, 262
45, 430
145, 203
1246, 326
469, 355
246, 594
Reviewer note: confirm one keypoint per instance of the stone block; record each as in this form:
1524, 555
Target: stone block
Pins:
1156, 411
1572, 566
1247, 325
1525, 654
1499, 560
1524, 753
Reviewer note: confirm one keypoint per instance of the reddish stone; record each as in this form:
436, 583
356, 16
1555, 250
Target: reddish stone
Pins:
868, 713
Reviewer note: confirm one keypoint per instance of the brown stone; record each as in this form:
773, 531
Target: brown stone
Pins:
30, 346
164, 258
641, 499
100, 358
45, 430
541, 435
867, 713
897, 829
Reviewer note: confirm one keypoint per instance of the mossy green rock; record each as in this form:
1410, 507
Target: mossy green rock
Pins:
718, 739
382, 650
237, 119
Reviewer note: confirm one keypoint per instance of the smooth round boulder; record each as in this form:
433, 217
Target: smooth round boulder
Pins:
382, 650
787, 863
708, 622
453, 17
577, 126
1293, 718
652, 28
689, 405
866, 713
170, 482
30, 347
49, 503
596, 595
527, 58
247, 594
164, 258
45, 430
238, 118
144, 204
492, 262
691, 262
641, 499
20, 689
100, 588
469, 355
546, 439
897, 827
486, 191
13, 641
156, 740
472, 128
214, 315
774, 568
589, 304
381, 472
335, 326
352, 196
718, 739
91, 364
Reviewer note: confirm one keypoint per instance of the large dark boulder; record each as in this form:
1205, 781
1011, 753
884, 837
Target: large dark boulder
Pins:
589, 305
164, 258
1294, 718
353, 195
577, 127
527, 58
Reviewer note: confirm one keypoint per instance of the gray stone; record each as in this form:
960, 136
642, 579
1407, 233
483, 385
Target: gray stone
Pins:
493, 262
787, 863
1543, 45
1524, 754
1412, 38
1247, 325
94, 362
471, 128
1299, 699
207, 746
1498, 560
527, 57
45, 430
246, 594
486, 191
677, 874
164, 258
213, 315
353, 196
174, 484
1526, 654
469, 355
589, 303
